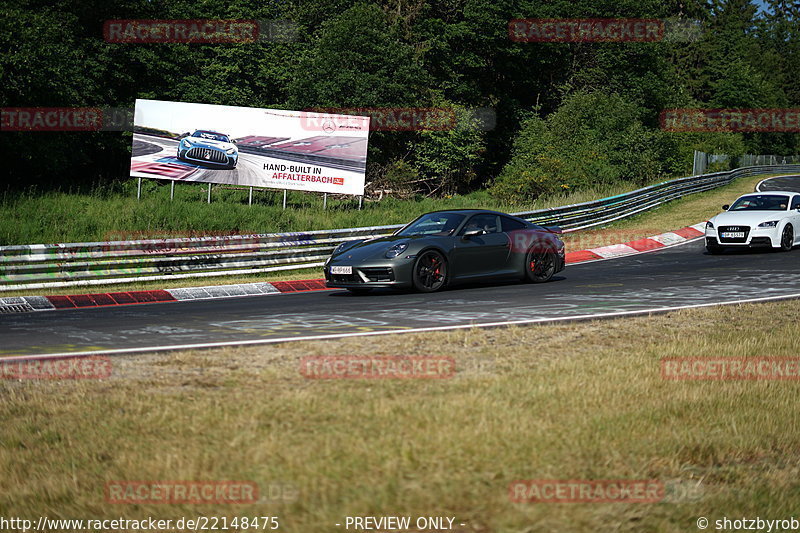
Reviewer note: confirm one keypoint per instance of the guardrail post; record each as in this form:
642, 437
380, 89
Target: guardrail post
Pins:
139, 190
209, 193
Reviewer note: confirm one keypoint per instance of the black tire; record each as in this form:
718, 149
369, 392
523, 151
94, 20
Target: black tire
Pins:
540, 265
359, 291
715, 250
787, 238
429, 273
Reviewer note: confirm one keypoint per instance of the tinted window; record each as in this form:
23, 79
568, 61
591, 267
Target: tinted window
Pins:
796, 202
509, 224
761, 202
433, 224
211, 135
487, 222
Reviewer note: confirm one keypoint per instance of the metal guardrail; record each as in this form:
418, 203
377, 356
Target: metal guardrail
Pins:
95, 263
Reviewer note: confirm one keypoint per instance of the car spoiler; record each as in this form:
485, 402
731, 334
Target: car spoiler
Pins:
554, 229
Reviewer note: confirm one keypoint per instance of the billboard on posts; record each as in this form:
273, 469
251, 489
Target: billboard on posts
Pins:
247, 146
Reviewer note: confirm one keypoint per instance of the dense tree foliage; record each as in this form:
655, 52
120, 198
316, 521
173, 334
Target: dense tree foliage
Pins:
566, 114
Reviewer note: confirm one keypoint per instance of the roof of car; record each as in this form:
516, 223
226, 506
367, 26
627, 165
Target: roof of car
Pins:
469, 211
758, 193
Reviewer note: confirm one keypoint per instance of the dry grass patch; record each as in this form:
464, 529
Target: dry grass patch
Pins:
580, 401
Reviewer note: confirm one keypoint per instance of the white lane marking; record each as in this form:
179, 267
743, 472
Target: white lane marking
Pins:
614, 250
700, 226
668, 238
531, 321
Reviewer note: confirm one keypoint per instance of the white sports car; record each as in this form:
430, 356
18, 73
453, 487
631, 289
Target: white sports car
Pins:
769, 220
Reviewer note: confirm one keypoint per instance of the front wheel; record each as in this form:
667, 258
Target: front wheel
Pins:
430, 272
787, 238
540, 266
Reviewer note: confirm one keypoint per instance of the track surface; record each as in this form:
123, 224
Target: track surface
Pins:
683, 275
781, 183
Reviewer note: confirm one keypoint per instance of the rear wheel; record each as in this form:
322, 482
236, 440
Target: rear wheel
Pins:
787, 238
540, 265
430, 271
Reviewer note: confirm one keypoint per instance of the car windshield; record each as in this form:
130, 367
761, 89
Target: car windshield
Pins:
211, 136
433, 224
761, 202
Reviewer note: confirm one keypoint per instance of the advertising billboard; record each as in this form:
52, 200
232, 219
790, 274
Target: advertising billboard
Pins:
247, 146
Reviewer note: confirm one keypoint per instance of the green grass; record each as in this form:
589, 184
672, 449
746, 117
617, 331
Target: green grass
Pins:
113, 212
580, 401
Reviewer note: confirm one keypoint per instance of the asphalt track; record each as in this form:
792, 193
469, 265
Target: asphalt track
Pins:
780, 183
683, 275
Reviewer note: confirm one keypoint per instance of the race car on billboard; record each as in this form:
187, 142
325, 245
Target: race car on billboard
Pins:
447, 247
756, 220
209, 148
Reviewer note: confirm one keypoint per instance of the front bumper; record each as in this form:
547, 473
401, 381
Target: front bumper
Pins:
754, 238
209, 156
378, 275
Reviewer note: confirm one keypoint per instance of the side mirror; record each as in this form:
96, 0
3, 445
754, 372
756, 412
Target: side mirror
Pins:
726, 207
472, 233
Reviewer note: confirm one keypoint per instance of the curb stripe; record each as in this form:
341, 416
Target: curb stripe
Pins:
580, 256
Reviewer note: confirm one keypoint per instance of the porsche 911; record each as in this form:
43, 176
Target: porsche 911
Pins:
444, 248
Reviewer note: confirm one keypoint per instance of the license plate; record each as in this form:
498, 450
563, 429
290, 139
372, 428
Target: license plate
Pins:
341, 270
733, 235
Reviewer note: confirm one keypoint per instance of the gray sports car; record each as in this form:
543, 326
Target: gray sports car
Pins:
447, 247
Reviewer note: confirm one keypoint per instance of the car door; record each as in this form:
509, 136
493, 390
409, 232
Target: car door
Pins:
794, 216
484, 254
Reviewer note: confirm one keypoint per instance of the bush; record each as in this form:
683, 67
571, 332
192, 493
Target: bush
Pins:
592, 139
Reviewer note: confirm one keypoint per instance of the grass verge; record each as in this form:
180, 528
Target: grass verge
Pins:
580, 401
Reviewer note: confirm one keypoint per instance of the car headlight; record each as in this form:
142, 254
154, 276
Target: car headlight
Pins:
709, 225
230, 151
396, 250
339, 248
770, 224
186, 143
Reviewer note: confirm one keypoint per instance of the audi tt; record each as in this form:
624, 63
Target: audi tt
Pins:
757, 220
